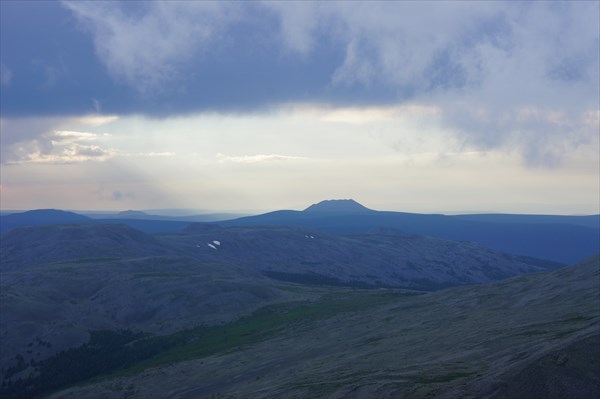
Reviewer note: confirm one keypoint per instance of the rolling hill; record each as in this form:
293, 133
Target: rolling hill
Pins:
380, 259
48, 217
39, 217
29, 246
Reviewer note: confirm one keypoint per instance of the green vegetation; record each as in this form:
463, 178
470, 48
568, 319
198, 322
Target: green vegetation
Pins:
264, 323
320, 279
112, 353
106, 350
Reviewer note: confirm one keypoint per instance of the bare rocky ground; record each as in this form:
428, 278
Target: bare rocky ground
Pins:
382, 258
531, 334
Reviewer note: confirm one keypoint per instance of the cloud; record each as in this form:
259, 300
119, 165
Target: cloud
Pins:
258, 158
118, 195
503, 76
145, 47
298, 22
148, 154
63, 147
45, 140
45, 143
364, 114
482, 65
5, 75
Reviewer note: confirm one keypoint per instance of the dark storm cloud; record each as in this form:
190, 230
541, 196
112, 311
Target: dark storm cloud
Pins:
66, 61
160, 59
521, 74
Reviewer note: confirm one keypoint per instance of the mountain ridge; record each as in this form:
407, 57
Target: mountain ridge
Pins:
39, 217
564, 239
562, 242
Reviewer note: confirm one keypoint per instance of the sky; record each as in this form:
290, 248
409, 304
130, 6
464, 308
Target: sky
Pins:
254, 106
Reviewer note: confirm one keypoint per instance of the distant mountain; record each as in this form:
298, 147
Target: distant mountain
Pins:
126, 216
148, 225
345, 206
39, 217
129, 214
567, 242
139, 220
136, 219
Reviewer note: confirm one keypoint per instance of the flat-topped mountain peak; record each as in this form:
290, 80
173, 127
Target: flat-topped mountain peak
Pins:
338, 206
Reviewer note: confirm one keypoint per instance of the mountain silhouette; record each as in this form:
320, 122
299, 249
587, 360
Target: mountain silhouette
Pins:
338, 206
40, 217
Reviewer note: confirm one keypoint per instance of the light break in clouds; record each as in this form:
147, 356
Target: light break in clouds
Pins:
257, 158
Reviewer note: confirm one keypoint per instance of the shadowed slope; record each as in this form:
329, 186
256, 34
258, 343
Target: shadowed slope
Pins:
461, 342
386, 258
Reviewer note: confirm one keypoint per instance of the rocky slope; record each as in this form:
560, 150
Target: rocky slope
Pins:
383, 258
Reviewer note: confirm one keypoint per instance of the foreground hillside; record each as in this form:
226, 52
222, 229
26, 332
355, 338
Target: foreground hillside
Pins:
531, 336
61, 283
85, 301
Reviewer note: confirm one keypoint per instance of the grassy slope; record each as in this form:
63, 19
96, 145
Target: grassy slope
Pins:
461, 342
111, 354
51, 307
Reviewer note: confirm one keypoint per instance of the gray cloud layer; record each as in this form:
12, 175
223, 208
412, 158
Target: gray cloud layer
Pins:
416, 47
503, 74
